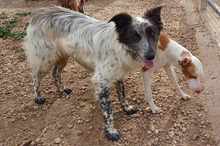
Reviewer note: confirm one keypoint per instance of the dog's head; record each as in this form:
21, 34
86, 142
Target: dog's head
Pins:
80, 4
192, 69
140, 34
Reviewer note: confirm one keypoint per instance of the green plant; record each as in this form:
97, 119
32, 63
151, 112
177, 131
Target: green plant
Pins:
21, 50
23, 13
3, 16
4, 32
21, 57
18, 35
10, 23
15, 48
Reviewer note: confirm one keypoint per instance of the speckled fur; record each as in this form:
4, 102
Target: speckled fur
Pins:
56, 34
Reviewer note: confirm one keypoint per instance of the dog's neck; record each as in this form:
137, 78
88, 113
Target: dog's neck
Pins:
172, 49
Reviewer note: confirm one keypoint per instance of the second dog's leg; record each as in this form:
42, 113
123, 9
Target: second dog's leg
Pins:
147, 86
121, 95
57, 70
170, 74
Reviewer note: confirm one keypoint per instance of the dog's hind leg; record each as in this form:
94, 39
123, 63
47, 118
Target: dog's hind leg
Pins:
57, 70
102, 93
121, 95
37, 75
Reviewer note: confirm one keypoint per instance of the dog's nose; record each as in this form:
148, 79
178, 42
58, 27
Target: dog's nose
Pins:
199, 90
149, 56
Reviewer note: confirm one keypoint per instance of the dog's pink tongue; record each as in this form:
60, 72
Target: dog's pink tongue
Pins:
148, 63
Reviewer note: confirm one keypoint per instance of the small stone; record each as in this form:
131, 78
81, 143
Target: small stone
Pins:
27, 143
184, 129
36, 107
202, 122
156, 131
199, 115
171, 134
38, 140
195, 137
33, 143
80, 132
70, 126
87, 120
59, 126
152, 128
57, 140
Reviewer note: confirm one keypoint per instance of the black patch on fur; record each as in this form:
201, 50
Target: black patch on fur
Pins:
124, 29
154, 15
131, 111
39, 100
112, 136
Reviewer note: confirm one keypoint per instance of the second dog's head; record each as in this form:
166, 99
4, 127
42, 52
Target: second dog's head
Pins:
192, 69
140, 34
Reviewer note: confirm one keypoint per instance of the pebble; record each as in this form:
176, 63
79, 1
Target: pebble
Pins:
57, 140
184, 129
38, 140
171, 134
27, 143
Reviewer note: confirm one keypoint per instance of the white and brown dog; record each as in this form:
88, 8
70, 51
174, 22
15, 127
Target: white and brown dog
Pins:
75, 5
171, 53
108, 49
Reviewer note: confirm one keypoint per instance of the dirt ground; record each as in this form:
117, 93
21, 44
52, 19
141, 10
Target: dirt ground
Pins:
76, 119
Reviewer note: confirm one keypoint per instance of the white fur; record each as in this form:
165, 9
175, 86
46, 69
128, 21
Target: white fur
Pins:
166, 58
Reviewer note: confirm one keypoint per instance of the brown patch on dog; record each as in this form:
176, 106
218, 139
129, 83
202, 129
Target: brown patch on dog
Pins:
164, 40
189, 71
71, 4
188, 68
144, 69
199, 58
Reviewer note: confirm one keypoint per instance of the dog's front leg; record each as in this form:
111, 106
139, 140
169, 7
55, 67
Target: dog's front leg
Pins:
102, 93
121, 95
147, 86
170, 74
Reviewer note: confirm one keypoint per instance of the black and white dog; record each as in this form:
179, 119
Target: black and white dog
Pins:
108, 49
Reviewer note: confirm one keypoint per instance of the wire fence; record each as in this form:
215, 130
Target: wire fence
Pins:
210, 12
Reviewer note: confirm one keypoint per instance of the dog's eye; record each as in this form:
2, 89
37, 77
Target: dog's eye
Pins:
152, 34
194, 77
136, 37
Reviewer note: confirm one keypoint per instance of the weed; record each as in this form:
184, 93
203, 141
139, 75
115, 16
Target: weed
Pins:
18, 35
23, 13
21, 50
15, 48
21, 57
4, 32
10, 23
3, 16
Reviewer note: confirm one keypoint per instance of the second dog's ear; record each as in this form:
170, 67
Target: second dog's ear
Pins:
121, 20
185, 58
155, 16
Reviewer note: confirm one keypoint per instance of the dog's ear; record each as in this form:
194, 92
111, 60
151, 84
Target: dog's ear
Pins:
155, 16
121, 20
185, 58
199, 58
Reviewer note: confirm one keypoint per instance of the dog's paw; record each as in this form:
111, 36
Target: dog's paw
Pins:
112, 134
185, 97
130, 110
155, 109
39, 100
67, 91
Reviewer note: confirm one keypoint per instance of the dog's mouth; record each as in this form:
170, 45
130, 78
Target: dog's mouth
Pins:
147, 63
